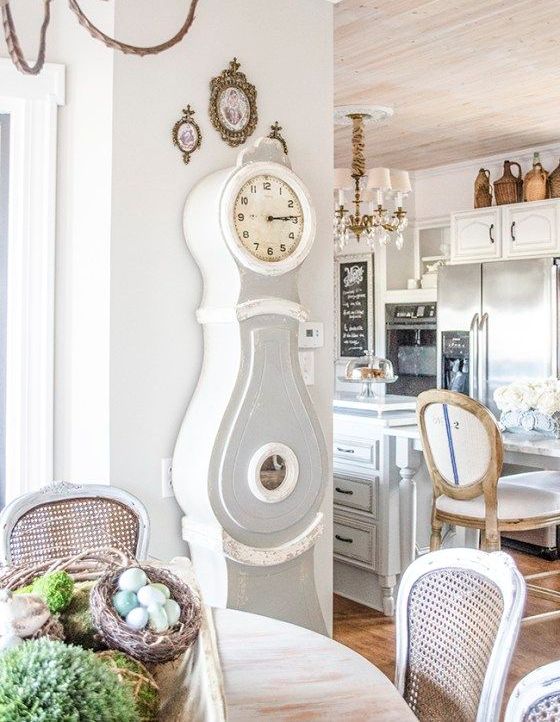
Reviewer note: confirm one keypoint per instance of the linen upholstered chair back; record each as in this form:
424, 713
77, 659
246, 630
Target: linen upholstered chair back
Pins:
463, 448
536, 698
458, 617
66, 519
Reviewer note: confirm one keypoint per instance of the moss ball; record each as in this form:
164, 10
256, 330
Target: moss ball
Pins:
136, 677
47, 681
55, 589
76, 619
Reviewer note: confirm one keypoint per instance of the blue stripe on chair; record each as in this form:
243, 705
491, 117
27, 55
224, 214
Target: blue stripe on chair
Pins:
450, 444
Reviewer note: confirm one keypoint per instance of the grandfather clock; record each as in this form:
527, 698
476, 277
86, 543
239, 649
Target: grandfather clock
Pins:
250, 464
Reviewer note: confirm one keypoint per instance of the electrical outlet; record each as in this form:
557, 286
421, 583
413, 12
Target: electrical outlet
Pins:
307, 363
167, 478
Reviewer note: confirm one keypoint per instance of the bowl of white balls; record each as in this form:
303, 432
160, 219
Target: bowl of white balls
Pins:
145, 611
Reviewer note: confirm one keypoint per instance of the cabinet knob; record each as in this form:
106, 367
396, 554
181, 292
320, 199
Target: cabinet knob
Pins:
490, 233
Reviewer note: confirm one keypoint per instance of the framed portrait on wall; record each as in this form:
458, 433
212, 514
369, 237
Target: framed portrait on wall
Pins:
354, 306
233, 105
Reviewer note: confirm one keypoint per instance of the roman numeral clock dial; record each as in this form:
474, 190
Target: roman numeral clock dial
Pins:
269, 218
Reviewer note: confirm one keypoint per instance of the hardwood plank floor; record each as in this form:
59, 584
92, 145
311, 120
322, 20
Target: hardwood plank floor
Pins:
372, 635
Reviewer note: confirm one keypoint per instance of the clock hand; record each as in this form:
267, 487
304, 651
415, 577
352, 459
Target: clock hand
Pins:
281, 218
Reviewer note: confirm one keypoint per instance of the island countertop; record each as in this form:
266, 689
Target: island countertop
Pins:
515, 443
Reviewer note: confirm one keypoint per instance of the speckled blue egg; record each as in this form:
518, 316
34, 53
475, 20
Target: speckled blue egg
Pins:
137, 618
157, 618
162, 588
124, 602
149, 595
131, 580
173, 611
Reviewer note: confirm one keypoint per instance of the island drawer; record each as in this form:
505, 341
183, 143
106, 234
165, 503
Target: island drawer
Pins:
354, 540
356, 493
356, 452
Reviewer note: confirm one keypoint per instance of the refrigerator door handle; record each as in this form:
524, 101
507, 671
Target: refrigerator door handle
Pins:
483, 358
473, 357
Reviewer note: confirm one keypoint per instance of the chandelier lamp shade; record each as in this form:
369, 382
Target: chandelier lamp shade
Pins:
371, 189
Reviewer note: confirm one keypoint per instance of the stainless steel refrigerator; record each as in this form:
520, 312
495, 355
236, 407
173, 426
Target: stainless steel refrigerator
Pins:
497, 322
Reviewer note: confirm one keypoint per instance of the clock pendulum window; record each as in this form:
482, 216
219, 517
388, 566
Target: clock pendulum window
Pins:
250, 464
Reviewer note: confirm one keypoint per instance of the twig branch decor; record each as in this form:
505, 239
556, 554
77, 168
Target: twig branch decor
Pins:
16, 53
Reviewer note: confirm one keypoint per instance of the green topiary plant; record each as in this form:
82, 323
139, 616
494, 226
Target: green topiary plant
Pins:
47, 681
55, 589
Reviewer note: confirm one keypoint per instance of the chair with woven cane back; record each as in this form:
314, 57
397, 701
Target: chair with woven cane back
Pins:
458, 616
464, 453
65, 519
536, 698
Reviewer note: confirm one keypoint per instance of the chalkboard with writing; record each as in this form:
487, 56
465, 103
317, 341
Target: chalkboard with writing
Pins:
354, 305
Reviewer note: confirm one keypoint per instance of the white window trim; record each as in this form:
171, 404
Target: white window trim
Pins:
32, 105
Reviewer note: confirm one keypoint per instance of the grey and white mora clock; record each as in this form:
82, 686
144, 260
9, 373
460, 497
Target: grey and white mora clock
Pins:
250, 464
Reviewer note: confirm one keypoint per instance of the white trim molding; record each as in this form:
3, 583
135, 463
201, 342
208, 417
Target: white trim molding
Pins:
31, 102
288, 484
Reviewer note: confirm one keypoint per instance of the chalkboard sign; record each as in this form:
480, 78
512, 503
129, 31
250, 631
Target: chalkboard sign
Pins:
354, 305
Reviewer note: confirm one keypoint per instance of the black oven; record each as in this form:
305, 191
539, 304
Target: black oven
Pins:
411, 346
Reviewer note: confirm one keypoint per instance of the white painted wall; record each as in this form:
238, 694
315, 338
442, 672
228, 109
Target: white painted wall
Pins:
128, 348
156, 345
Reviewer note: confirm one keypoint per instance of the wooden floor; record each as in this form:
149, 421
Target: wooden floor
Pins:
373, 635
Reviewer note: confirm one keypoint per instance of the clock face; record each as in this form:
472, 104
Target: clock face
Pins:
268, 218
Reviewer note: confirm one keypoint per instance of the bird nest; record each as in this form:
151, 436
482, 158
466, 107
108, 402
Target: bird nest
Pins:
146, 645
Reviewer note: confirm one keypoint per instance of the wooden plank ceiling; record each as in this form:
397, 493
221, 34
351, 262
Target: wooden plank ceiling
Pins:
466, 78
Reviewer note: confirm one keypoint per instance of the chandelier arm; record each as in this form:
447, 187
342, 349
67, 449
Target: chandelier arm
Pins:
125, 47
13, 45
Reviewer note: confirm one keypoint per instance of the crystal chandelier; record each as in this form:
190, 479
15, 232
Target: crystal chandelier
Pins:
379, 225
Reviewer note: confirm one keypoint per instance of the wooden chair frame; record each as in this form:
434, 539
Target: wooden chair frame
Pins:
62, 491
500, 569
491, 527
538, 685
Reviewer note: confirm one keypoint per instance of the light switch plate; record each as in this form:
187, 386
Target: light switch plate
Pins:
307, 363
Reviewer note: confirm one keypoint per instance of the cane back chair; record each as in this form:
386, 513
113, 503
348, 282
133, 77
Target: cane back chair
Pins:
458, 616
464, 453
65, 519
536, 698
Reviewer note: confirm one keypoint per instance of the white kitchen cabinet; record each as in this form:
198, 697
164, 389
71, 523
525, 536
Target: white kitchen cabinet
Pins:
531, 229
519, 230
476, 236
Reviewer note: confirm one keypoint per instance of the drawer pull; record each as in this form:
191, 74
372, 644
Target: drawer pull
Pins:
344, 491
345, 451
343, 539
490, 233
513, 231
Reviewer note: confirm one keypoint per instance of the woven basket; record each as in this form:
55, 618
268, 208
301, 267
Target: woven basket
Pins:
145, 645
90, 564
509, 188
554, 183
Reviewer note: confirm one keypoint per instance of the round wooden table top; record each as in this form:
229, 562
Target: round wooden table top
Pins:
276, 671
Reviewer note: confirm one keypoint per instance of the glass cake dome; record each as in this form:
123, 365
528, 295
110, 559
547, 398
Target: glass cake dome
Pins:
369, 369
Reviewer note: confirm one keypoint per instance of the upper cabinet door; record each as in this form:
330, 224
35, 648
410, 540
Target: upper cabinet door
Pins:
476, 236
531, 229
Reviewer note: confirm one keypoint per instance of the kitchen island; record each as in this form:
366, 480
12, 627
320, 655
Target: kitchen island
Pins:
383, 494
520, 449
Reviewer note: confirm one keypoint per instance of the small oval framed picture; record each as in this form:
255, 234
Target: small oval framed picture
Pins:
186, 134
233, 105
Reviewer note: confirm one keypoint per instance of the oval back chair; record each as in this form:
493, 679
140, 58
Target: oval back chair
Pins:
536, 698
65, 519
458, 617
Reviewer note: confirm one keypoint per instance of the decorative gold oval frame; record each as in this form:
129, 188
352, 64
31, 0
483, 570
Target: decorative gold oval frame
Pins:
187, 117
232, 78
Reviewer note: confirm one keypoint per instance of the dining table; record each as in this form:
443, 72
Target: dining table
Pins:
280, 672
